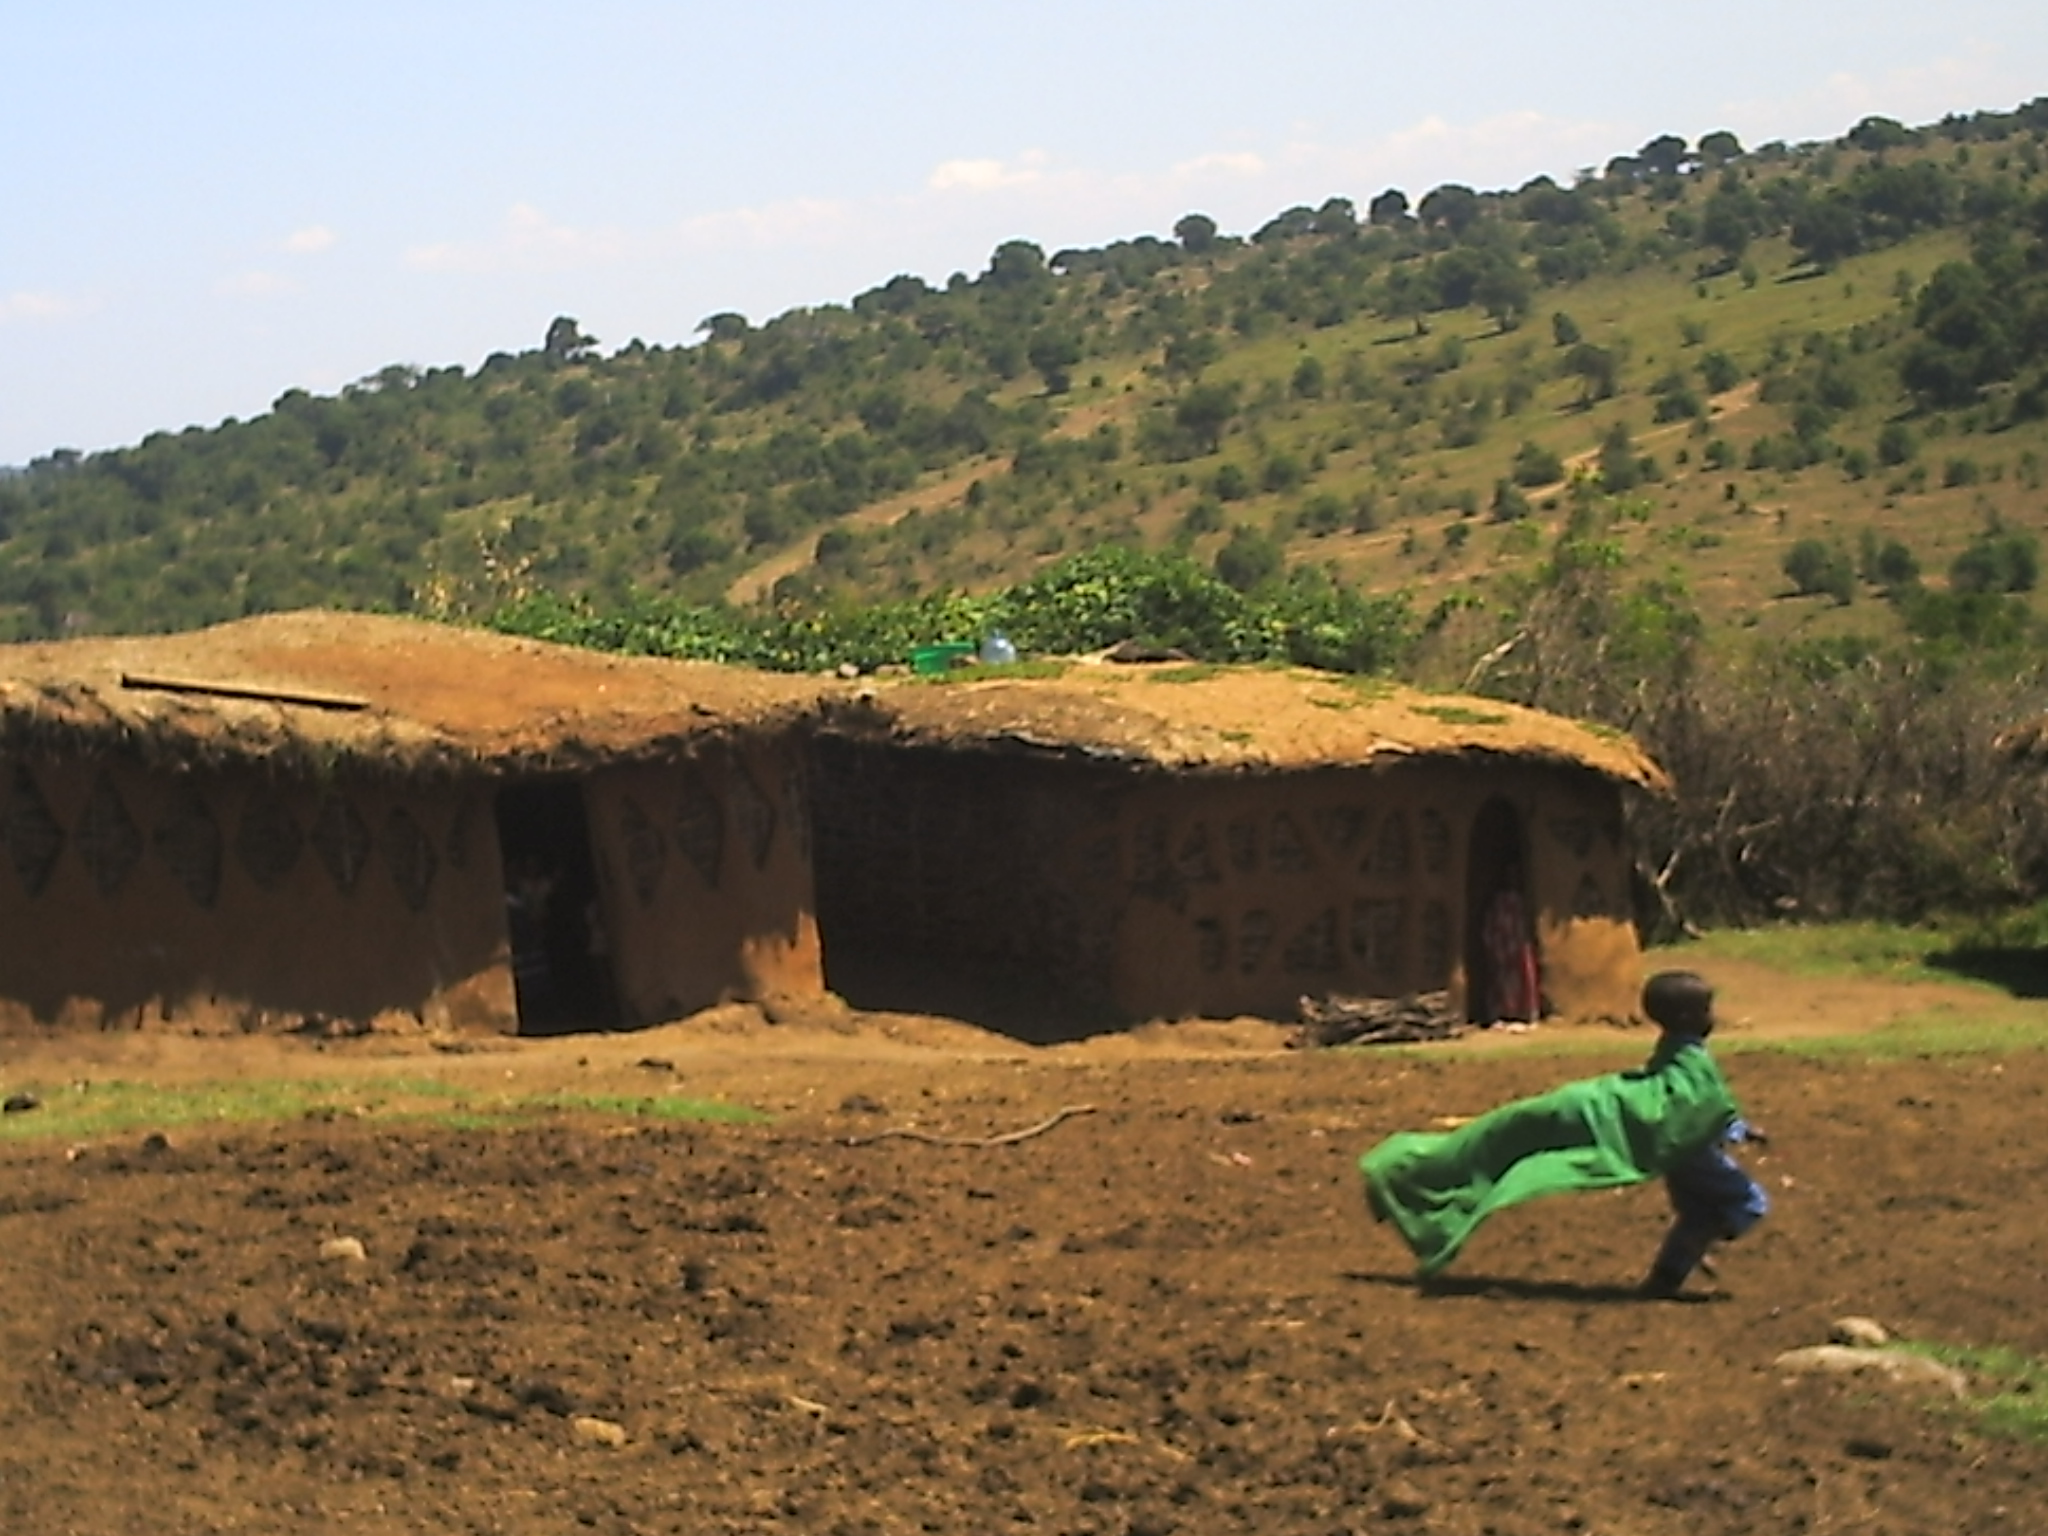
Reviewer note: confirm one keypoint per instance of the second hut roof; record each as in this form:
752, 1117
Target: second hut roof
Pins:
1233, 719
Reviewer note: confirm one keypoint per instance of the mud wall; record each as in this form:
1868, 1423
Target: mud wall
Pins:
704, 879
1149, 895
1242, 894
228, 900
974, 884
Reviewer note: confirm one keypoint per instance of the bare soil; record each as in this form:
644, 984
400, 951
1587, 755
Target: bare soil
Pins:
1168, 1313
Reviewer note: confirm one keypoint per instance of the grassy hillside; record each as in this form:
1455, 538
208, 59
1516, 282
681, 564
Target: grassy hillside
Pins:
1357, 393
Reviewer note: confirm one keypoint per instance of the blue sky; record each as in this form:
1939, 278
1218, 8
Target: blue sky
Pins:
209, 203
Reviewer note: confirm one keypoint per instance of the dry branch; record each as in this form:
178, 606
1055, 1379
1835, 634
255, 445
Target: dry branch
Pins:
1335, 1020
1008, 1138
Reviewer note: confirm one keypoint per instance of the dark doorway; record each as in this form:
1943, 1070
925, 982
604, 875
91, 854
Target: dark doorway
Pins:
561, 962
935, 896
1502, 973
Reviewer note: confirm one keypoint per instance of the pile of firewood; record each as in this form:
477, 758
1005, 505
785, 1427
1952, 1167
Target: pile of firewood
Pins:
1335, 1020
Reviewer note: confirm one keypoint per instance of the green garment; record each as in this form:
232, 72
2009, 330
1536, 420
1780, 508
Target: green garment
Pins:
1623, 1128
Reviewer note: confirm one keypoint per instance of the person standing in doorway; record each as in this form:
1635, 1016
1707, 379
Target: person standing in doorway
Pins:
1514, 992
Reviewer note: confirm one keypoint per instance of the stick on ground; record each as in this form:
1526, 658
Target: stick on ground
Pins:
1008, 1138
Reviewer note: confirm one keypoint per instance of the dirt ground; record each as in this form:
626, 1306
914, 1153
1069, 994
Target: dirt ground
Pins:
1167, 1313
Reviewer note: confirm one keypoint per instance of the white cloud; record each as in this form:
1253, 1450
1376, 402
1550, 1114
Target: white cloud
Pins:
254, 285
797, 221
528, 241
531, 241
29, 304
311, 240
968, 199
988, 175
1978, 77
1205, 167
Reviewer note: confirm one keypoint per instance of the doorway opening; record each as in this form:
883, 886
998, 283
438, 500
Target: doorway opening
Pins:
1503, 973
561, 962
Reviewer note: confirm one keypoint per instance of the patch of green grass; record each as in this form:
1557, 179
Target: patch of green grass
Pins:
1368, 686
1935, 1032
80, 1111
88, 1111
1198, 672
2016, 1404
1878, 951
647, 1107
1007, 671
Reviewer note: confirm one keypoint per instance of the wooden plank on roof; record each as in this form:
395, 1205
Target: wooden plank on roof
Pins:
301, 696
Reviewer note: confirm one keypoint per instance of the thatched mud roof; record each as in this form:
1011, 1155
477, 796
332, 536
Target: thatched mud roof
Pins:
1232, 720
322, 690
396, 695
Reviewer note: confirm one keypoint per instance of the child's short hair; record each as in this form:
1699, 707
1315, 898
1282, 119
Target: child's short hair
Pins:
1679, 1000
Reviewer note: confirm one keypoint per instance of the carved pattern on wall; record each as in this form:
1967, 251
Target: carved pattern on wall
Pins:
1379, 939
1193, 863
1212, 949
1241, 838
1286, 849
1151, 873
1340, 827
410, 854
1254, 938
755, 814
109, 842
646, 850
700, 826
342, 840
34, 840
1314, 948
188, 841
268, 839
1588, 900
1433, 956
1575, 832
1433, 832
1389, 860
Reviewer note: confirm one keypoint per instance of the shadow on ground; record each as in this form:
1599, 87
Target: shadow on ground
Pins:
2022, 972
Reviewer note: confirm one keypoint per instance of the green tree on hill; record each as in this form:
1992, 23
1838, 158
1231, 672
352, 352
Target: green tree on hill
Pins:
1196, 232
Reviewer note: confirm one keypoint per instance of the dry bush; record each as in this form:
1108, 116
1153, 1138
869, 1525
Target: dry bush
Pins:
1870, 791
1812, 785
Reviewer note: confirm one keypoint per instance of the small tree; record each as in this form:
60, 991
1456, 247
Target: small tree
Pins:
1816, 567
1248, 559
1016, 264
1053, 353
1204, 411
1597, 369
1451, 206
566, 342
1196, 233
1719, 147
726, 325
1536, 465
1389, 209
1664, 155
1620, 470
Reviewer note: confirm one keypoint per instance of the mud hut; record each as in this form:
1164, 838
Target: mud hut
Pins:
1123, 843
315, 819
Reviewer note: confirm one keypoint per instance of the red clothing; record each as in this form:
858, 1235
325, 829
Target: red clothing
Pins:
1515, 993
